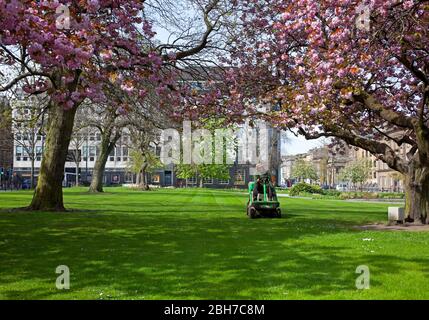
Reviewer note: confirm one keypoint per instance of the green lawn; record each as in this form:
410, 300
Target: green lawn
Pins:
198, 244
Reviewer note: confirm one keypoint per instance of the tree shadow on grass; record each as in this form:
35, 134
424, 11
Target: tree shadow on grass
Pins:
179, 257
181, 247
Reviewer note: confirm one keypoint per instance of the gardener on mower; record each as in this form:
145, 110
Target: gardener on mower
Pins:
262, 198
259, 187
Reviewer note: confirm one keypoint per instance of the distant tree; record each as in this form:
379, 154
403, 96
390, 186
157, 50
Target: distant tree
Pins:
109, 123
356, 172
186, 171
81, 130
212, 170
143, 162
28, 129
202, 172
144, 136
303, 169
397, 176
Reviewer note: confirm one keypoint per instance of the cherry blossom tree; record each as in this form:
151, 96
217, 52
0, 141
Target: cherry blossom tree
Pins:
348, 69
72, 50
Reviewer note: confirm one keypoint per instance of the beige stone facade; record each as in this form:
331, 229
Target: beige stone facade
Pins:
330, 160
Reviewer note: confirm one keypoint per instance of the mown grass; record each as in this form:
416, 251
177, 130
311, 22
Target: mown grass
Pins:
198, 244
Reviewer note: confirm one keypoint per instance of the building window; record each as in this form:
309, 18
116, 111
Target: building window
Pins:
222, 181
112, 155
85, 153
118, 154
192, 180
116, 179
240, 177
92, 153
158, 151
156, 178
24, 154
129, 177
124, 153
208, 180
39, 151
18, 153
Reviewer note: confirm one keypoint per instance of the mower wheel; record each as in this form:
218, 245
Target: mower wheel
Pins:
252, 213
278, 213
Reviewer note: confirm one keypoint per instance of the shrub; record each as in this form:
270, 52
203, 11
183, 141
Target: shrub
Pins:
332, 193
345, 196
391, 195
368, 195
317, 196
304, 188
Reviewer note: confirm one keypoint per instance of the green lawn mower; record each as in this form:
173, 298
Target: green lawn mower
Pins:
263, 200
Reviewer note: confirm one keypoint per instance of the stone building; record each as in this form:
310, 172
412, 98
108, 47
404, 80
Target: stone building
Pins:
329, 160
83, 155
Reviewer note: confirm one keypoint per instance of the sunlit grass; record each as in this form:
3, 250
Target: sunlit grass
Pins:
198, 244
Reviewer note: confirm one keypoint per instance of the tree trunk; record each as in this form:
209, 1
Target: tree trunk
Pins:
77, 174
144, 184
417, 195
138, 178
106, 148
49, 193
32, 174
146, 180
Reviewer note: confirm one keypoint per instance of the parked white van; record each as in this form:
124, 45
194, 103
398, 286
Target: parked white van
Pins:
342, 187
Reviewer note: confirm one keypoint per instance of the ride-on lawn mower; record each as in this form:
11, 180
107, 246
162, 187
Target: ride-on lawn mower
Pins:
263, 200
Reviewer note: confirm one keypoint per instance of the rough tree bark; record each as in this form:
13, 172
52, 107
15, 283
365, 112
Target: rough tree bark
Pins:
49, 194
106, 147
144, 184
32, 174
138, 176
417, 195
